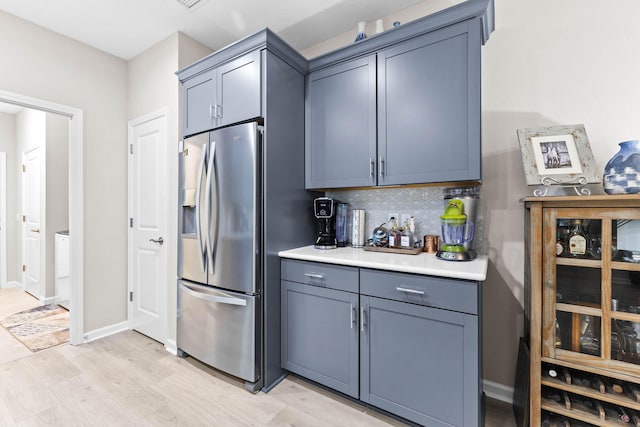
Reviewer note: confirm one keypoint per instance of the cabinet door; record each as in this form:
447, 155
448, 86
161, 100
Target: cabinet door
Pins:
591, 302
320, 335
199, 94
340, 129
429, 107
419, 362
239, 90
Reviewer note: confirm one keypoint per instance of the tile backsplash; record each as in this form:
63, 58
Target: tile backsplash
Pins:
426, 204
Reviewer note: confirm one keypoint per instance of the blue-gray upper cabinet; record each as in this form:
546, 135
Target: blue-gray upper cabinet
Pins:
405, 114
226, 94
341, 125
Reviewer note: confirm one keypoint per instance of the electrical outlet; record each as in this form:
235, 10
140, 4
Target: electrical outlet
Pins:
393, 215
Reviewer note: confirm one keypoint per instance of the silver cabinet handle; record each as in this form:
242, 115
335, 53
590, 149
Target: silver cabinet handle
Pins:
363, 319
372, 165
381, 167
35, 230
212, 111
314, 275
352, 319
219, 110
159, 240
410, 291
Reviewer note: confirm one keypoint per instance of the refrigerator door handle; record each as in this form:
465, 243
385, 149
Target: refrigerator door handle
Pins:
208, 210
214, 296
203, 253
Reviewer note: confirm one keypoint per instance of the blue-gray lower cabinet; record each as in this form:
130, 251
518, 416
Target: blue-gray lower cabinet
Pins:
420, 363
406, 343
320, 335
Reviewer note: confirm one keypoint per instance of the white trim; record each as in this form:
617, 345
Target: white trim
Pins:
14, 284
97, 334
498, 391
171, 346
3, 219
48, 300
76, 201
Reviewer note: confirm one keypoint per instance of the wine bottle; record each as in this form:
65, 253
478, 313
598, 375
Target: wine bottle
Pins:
633, 391
622, 414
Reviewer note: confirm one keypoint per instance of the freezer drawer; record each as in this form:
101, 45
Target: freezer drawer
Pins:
220, 328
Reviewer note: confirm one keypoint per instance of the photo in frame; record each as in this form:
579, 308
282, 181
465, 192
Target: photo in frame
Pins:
557, 155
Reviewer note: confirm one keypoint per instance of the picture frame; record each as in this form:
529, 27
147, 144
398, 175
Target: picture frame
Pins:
557, 155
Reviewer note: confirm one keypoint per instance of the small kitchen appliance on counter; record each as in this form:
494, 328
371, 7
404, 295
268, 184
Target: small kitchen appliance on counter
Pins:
456, 231
324, 209
342, 236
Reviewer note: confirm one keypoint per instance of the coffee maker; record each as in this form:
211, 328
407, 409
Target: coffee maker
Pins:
324, 209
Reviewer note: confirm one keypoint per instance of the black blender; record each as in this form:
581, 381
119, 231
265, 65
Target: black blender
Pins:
324, 209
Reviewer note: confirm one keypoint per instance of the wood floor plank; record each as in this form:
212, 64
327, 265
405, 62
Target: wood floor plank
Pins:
130, 380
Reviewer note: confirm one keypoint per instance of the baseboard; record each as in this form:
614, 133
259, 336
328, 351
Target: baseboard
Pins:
14, 284
498, 391
172, 347
49, 300
96, 334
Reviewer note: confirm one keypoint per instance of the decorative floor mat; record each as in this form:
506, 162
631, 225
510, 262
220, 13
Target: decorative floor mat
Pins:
40, 327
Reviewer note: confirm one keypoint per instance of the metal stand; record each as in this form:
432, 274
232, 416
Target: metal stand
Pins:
578, 186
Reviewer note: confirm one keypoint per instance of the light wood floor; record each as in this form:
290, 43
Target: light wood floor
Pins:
130, 380
13, 300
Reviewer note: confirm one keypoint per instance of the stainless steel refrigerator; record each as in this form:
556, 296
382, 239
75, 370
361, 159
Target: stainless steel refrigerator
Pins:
221, 251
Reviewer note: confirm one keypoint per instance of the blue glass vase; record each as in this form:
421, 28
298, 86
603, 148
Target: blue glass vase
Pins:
361, 35
622, 172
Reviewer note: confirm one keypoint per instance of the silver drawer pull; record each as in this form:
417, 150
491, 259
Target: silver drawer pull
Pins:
410, 291
314, 275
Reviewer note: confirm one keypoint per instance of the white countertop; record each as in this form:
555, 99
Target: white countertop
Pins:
422, 263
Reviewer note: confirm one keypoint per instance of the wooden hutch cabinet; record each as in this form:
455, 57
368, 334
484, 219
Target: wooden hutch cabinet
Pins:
582, 274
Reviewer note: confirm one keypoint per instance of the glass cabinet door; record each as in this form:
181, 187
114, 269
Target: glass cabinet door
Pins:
591, 295
625, 291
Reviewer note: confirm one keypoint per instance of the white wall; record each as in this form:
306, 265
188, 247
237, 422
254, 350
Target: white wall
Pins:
46, 65
8, 145
547, 63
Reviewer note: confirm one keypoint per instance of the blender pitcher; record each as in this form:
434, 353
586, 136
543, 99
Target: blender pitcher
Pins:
455, 233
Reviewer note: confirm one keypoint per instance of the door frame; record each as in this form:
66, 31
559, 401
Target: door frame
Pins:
161, 113
76, 201
3, 220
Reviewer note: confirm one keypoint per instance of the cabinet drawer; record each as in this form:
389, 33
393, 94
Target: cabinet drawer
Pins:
431, 291
320, 274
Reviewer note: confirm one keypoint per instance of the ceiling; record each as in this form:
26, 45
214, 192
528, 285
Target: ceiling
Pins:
125, 28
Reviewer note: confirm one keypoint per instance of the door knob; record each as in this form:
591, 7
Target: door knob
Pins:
159, 240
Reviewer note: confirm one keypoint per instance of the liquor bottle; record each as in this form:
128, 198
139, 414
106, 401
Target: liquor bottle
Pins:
412, 228
560, 245
557, 337
394, 234
577, 240
406, 236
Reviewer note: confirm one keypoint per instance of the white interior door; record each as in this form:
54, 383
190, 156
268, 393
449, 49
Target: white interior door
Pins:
31, 222
147, 226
